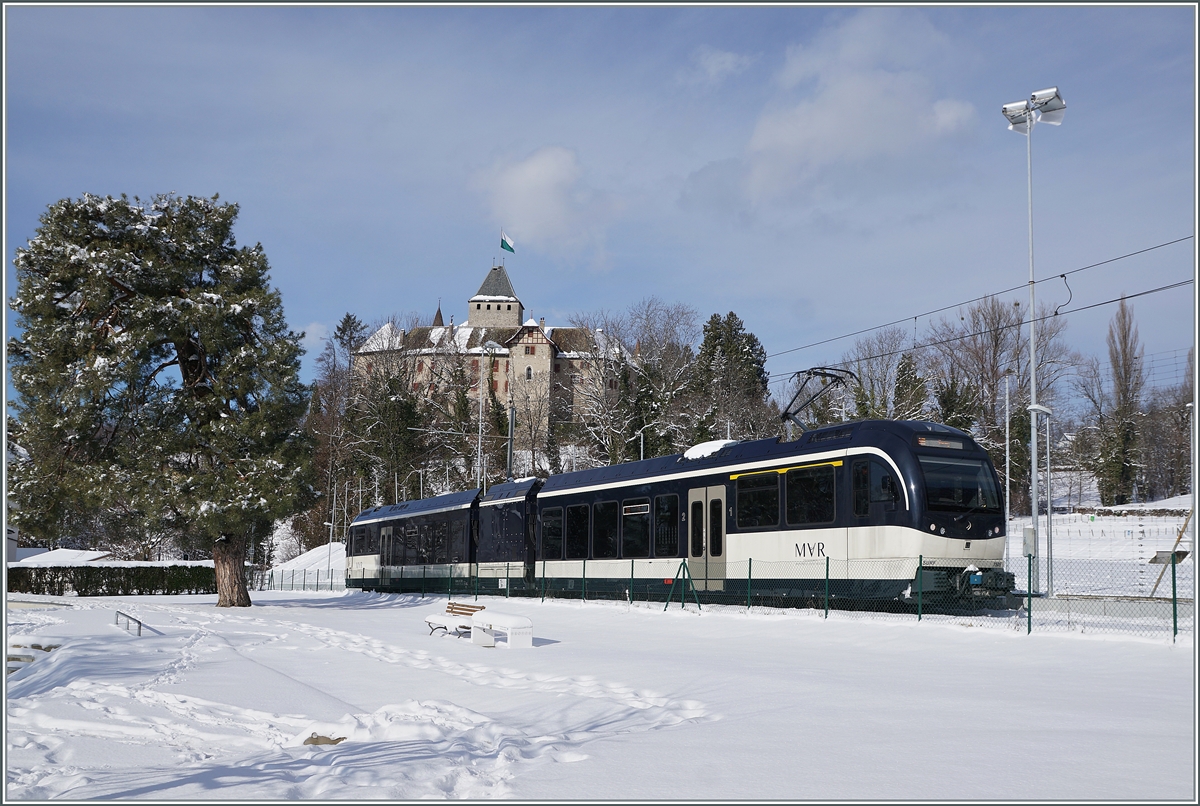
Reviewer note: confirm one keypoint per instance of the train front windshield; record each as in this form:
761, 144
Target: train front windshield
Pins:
959, 485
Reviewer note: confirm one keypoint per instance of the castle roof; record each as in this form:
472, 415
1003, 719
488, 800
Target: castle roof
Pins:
496, 285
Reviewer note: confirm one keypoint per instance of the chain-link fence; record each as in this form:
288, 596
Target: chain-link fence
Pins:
1021, 594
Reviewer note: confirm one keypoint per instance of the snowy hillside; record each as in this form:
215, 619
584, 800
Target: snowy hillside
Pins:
323, 558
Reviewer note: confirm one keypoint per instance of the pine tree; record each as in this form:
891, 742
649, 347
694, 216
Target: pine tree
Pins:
730, 379
156, 378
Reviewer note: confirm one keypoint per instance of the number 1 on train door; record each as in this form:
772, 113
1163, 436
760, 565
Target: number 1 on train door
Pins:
706, 537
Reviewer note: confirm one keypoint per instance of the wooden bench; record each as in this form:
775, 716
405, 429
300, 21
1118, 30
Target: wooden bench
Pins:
457, 617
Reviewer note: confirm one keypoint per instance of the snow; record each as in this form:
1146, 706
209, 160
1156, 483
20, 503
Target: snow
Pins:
323, 558
1180, 502
612, 702
63, 557
707, 448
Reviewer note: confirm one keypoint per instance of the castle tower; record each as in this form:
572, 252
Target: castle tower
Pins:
495, 304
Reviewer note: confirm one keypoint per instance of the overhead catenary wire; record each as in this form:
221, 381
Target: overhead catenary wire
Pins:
786, 376
1058, 276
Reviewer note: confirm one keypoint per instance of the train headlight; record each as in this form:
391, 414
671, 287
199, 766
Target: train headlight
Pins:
933, 527
942, 531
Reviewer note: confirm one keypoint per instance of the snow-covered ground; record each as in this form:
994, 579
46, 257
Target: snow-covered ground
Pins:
612, 702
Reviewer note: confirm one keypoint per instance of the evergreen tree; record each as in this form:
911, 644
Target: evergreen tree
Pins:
156, 377
730, 380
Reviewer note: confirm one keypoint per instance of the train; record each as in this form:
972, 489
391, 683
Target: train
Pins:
869, 510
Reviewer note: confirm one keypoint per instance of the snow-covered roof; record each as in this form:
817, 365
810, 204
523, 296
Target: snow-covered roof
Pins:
388, 337
707, 448
496, 286
64, 557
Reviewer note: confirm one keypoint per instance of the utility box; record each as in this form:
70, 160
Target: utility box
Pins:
1030, 543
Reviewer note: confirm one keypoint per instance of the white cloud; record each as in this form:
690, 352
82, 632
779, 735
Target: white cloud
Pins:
858, 93
314, 337
544, 202
710, 66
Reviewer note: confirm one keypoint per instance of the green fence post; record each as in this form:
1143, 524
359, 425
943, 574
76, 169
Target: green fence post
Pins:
826, 586
506, 581
631, 582
1029, 598
543, 579
749, 581
477, 582
450, 582
920, 583
424, 568
583, 581
1174, 603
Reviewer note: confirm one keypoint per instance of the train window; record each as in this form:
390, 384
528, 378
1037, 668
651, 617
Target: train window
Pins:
860, 485
635, 528
810, 495
358, 541
697, 528
604, 530
959, 485
425, 543
440, 553
576, 538
758, 501
552, 534
716, 522
666, 526
458, 541
872, 483
883, 484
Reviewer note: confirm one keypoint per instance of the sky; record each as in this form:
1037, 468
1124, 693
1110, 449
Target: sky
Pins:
817, 170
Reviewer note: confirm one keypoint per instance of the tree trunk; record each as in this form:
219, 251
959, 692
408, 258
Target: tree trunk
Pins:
229, 562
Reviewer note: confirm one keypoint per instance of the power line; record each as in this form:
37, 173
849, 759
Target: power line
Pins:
977, 299
787, 375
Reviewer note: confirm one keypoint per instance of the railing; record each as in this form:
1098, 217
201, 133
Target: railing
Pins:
303, 580
129, 620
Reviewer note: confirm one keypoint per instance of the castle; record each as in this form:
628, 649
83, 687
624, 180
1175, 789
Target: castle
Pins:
538, 370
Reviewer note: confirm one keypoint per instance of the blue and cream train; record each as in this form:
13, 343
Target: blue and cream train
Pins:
874, 509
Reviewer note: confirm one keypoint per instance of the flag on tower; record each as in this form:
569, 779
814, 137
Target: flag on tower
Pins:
506, 242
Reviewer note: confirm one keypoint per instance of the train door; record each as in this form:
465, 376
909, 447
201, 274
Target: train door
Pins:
706, 537
390, 550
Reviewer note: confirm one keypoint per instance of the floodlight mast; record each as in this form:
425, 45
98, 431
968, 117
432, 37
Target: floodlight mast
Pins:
1043, 106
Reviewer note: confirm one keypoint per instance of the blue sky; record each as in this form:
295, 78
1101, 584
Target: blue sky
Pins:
816, 170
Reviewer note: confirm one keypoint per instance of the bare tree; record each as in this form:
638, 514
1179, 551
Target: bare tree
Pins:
603, 409
660, 371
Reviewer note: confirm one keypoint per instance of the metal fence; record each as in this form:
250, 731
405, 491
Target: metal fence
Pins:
301, 580
1111, 596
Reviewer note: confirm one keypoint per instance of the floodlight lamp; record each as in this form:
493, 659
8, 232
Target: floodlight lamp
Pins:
1019, 115
1050, 104
1040, 409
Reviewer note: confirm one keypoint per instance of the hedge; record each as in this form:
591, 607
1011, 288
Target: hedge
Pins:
111, 580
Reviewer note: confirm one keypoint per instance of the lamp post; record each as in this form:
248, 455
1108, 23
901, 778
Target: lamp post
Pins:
1034, 411
1043, 106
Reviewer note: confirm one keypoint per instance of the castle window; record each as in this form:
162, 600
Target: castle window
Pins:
530, 349
489, 306
529, 373
477, 306
510, 307
475, 363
